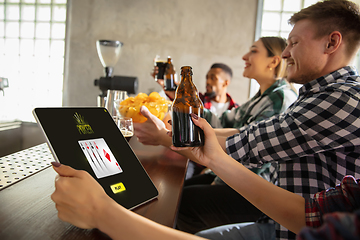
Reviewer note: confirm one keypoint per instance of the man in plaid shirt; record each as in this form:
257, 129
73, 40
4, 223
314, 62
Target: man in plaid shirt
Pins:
316, 142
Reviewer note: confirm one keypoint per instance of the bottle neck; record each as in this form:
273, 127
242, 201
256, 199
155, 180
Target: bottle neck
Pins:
186, 87
187, 79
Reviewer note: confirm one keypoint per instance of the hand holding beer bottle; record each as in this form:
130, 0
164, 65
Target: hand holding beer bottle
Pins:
184, 132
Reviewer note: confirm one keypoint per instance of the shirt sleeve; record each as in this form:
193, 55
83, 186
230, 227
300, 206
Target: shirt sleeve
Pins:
315, 123
212, 119
345, 197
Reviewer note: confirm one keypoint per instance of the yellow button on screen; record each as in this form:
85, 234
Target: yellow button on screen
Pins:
118, 187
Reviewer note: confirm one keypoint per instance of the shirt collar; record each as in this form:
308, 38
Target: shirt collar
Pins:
207, 102
329, 78
276, 84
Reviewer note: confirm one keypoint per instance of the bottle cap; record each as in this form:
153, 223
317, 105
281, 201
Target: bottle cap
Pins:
186, 69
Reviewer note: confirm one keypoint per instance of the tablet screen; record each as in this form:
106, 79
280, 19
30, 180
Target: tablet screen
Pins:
89, 139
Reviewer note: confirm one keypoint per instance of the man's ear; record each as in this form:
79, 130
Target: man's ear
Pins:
334, 40
226, 82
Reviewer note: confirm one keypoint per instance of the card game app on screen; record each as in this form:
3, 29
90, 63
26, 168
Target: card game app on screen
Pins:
100, 157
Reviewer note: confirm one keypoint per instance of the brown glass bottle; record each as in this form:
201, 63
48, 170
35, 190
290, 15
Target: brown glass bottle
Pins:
169, 76
184, 132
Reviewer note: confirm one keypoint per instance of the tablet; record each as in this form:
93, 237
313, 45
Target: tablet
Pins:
87, 138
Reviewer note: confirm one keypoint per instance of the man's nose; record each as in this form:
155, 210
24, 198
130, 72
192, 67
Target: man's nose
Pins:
286, 53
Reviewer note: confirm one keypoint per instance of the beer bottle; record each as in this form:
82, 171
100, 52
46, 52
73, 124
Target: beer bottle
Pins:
184, 132
169, 76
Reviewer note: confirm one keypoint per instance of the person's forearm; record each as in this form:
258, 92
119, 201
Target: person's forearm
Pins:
165, 139
286, 208
120, 223
222, 142
223, 133
188, 154
226, 132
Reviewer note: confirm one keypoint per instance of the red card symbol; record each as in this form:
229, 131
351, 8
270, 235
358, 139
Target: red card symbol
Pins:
107, 155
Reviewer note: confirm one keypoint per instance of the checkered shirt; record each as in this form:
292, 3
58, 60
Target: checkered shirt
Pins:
337, 226
345, 197
316, 142
276, 99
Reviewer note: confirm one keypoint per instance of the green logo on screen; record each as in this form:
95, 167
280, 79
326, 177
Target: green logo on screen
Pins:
82, 126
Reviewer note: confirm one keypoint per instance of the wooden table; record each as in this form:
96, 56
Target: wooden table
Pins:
27, 212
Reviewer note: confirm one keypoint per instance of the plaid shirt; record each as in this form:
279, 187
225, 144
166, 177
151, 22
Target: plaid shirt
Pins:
336, 210
345, 197
316, 142
276, 99
337, 226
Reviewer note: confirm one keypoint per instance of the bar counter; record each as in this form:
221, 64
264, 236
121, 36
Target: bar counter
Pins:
27, 182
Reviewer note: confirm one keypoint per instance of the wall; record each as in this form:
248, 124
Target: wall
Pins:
193, 32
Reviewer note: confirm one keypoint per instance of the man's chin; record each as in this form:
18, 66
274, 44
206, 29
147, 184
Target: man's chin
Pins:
210, 95
300, 79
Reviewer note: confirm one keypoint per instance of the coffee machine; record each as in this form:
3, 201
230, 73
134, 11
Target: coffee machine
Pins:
109, 53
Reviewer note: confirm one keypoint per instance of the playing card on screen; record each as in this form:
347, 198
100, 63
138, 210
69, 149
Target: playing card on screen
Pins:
100, 157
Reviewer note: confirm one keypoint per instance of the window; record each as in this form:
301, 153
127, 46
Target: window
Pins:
274, 15
32, 46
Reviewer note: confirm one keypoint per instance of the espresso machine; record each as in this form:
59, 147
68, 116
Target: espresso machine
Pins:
109, 53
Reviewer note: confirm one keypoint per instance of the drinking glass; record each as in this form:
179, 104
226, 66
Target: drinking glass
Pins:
112, 97
161, 64
126, 126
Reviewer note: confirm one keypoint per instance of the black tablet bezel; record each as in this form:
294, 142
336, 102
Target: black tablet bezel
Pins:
63, 131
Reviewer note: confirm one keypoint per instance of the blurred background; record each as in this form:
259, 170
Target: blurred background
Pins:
48, 53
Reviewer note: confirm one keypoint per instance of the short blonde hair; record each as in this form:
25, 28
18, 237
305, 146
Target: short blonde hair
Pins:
334, 15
